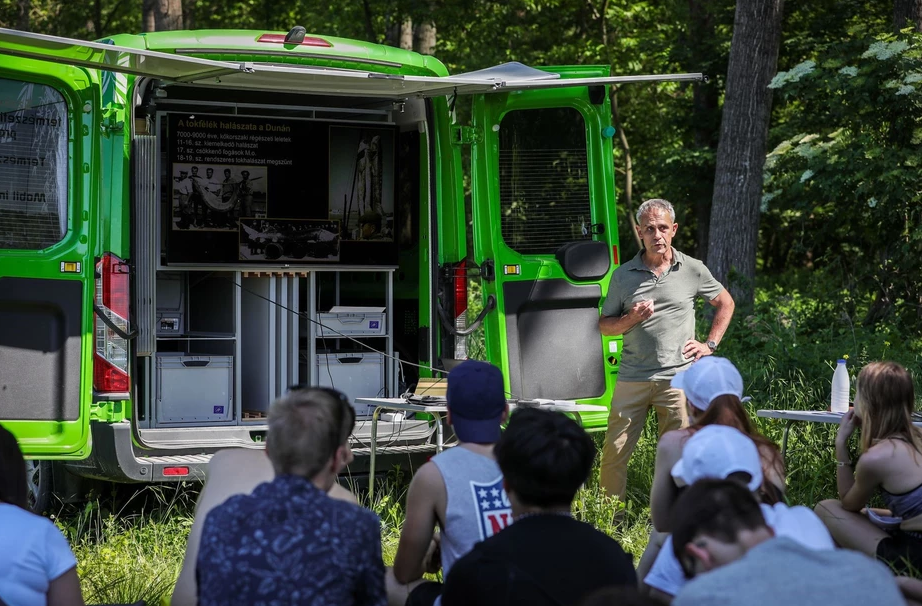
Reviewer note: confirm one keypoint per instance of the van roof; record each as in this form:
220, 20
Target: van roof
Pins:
267, 47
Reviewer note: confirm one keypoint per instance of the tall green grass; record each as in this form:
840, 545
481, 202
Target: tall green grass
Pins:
131, 548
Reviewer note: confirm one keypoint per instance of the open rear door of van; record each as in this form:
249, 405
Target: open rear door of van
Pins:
47, 199
545, 231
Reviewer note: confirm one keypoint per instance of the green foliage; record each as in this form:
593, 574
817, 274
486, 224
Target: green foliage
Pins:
843, 181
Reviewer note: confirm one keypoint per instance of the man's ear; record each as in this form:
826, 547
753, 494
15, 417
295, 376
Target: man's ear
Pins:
505, 415
700, 554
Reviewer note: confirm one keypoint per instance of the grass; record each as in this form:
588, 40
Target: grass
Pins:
130, 547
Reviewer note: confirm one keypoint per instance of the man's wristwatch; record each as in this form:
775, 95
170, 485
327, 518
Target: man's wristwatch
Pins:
712, 345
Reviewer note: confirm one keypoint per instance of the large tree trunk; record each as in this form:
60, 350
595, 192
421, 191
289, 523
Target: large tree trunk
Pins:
907, 13
162, 15
425, 38
23, 19
406, 34
734, 230
705, 109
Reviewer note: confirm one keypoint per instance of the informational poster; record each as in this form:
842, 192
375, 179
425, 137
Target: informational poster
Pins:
273, 190
33, 162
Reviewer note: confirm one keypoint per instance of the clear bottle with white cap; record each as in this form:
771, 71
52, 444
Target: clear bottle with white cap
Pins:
841, 388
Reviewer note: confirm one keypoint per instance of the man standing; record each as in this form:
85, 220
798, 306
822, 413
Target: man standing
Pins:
288, 542
184, 190
733, 557
651, 301
460, 489
545, 558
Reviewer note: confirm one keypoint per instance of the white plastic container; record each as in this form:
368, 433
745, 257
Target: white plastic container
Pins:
352, 321
841, 388
358, 375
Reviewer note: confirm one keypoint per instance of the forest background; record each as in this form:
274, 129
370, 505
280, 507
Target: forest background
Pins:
794, 171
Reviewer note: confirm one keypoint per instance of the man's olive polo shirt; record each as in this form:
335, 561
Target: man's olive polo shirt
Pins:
652, 350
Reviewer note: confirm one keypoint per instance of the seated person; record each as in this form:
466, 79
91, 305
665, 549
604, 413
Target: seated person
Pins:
545, 557
733, 557
890, 463
37, 566
288, 541
460, 489
713, 396
721, 452
231, 471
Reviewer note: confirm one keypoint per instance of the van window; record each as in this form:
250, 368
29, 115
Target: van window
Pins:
543, 179
33, 165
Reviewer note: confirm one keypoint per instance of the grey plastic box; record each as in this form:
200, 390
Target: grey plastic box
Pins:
195, 389
353, 321
358, 375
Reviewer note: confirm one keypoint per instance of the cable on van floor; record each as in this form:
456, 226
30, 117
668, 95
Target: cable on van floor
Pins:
306, 316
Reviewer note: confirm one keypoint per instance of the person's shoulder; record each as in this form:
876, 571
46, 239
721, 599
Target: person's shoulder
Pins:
714, 588
672, 441
25, 521
429, 474
688, 260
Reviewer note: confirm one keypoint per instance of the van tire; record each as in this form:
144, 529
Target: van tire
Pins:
39, 483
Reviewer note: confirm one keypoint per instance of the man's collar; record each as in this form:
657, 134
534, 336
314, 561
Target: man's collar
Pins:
637, 262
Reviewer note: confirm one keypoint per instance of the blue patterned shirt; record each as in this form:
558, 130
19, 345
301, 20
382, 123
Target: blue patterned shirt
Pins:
290, 543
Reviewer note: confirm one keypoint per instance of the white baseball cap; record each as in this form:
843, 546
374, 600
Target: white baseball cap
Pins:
708, 378
715, 452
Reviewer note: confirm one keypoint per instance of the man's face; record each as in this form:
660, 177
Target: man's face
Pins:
209, 172
656, 231
195, 170
705, 553
227, 174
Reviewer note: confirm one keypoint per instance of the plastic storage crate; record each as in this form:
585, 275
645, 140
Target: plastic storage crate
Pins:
194, 389
352, 321
358, 375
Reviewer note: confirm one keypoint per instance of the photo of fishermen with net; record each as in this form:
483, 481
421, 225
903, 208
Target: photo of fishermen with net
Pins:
215, 197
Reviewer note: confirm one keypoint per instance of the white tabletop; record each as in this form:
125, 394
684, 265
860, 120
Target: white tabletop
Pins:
816, 416
555, 405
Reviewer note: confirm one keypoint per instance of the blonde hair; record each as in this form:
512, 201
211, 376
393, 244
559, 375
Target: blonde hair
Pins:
885, 399
305, 429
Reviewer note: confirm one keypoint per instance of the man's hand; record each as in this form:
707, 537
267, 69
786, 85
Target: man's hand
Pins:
696, 349
432, 563
641, 310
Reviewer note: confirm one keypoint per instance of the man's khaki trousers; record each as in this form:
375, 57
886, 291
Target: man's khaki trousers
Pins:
629, 408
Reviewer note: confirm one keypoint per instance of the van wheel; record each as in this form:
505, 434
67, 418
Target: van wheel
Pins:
38, 484
273, 251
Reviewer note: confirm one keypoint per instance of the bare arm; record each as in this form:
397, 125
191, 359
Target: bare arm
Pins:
664, 492
724, 313
618, 325
419, 524
725, 306
65, 590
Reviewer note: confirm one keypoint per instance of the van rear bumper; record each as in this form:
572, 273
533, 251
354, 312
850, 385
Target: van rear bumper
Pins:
114, 458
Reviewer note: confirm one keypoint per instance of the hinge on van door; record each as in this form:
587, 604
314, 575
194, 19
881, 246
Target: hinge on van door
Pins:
112, 120
465, 135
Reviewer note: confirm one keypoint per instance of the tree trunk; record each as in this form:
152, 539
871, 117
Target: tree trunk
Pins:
734, 229
23, 19
425, 38
628, 167
369, 25
907, 13
705, 109
162, 15
406, 34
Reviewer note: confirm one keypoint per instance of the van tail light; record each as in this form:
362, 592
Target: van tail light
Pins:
459, 287
110, 361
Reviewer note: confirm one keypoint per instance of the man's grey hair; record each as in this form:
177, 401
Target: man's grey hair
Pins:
656, 204
305, 429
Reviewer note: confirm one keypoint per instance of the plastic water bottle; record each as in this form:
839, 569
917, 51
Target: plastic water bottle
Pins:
841, 388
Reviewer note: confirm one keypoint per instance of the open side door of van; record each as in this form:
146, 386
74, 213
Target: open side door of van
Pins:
545, 231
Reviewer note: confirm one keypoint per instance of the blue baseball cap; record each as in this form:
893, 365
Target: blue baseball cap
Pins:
476, 400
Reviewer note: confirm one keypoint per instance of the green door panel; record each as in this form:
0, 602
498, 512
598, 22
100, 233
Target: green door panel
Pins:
48, 125
542, 178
